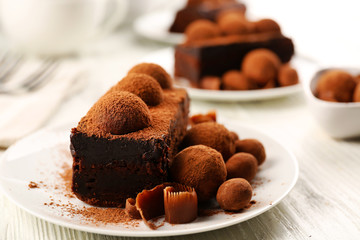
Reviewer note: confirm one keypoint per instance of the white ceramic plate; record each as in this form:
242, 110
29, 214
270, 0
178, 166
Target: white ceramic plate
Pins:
156, 26
40, 157
165, 58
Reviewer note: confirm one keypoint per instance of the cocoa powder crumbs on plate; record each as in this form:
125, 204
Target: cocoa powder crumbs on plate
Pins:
33, 185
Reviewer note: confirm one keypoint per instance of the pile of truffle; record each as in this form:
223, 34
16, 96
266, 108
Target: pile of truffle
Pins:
228, 22
338, 86
129, 99
260, 69
216, 163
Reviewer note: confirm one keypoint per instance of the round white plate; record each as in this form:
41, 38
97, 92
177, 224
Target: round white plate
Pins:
165, 58
40, 157
156, 26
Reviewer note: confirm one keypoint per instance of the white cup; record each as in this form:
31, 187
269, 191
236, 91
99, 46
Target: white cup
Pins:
57, 27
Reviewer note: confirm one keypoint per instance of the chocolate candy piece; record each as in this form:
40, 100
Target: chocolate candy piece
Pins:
131, 210
180, 204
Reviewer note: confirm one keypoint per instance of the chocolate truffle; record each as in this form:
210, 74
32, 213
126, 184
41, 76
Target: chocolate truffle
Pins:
267, 25
142, 85
155, 71
261, 66
120, 112
234, 136
234, 194
356, 97
232, 23
201, 29
287, 76
270, 84
336, 85
213, 135
200, 167
210, 83
241, 165
253, 147
235, 80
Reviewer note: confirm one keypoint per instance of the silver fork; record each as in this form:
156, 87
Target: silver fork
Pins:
33, 81
8, 64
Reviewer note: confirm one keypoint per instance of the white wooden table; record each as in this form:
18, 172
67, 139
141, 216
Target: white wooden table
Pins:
325, 203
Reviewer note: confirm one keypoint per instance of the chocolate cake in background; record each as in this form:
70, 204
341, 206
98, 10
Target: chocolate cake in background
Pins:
213, 48
202, 9
127, 139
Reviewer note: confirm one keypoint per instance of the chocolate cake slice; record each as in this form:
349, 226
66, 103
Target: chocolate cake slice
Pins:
123, 146
213, 57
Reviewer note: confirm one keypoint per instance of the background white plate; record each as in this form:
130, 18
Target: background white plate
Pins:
156, 26
165, 58
39, 157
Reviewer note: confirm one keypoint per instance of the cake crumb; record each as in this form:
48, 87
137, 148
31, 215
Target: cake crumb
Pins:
33, 185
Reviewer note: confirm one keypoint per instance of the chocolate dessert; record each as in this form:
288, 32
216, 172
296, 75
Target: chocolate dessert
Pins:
212, 49
202, 9
127, 140
336, 86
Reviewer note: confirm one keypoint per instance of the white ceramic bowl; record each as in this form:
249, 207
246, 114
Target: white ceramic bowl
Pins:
339, 120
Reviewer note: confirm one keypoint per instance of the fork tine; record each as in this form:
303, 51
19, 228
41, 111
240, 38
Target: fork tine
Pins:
37, 77
8, 68
41, 78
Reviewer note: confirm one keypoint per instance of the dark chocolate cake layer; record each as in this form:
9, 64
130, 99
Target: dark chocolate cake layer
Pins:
108, 169
213, 57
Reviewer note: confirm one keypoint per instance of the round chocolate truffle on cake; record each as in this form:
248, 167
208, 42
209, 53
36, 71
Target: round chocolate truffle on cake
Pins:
120, 112
232, 23
142, 85
155, 71
213, 135
202, 29
200, 167
267, 25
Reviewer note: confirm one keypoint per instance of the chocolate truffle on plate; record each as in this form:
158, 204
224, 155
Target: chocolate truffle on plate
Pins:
287, 76
210, 83
261, 66
234, 194
241, 165
202, 29
234, 135
211, 134
336, 86
267, 25
142, 85
155, 71
120, 112
253, 147
235, 80
200, 167
356, 97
